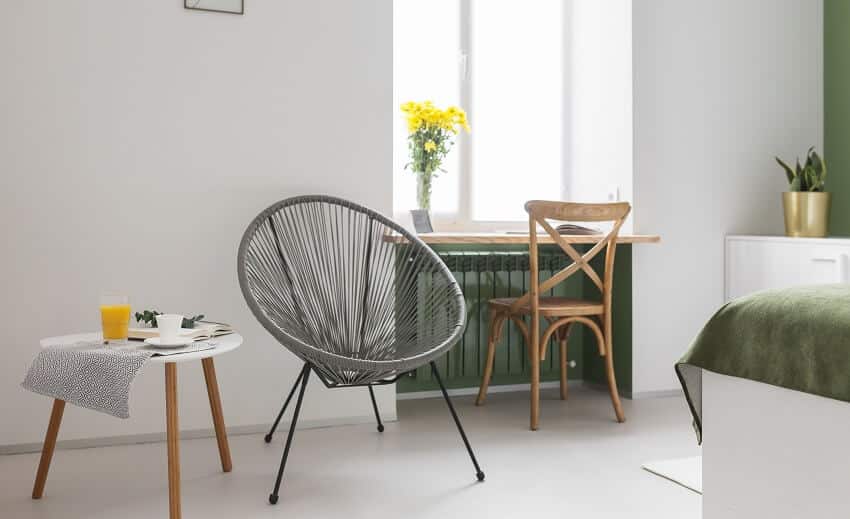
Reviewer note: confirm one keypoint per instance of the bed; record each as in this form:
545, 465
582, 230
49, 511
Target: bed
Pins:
768, 384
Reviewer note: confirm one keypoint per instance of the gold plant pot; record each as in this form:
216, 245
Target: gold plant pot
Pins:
806, 214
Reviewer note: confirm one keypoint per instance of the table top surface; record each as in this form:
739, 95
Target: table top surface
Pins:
484, 238
223, 344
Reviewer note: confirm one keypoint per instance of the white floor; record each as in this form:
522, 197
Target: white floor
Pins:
579, 464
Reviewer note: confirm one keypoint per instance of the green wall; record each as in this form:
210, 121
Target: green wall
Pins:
836, 21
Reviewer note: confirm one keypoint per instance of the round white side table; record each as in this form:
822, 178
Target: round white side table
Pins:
223, 344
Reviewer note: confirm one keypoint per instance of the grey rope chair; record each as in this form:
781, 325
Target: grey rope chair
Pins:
351, 293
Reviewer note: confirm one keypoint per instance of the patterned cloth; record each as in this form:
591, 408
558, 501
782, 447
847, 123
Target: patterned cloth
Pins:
88, 375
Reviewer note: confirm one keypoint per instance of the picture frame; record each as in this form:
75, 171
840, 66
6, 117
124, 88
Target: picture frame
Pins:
216, 6
421, 221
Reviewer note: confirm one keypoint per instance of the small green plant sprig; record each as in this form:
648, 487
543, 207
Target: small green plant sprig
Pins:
149, 318
810, 177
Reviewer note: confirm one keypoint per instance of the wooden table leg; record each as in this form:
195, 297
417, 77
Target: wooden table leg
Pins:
47, 450
217, 415
173, 435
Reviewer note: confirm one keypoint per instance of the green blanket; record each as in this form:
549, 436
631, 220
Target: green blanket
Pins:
796, 338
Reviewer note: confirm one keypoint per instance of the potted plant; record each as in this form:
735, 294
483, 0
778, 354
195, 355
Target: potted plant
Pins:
806, 203
431, 133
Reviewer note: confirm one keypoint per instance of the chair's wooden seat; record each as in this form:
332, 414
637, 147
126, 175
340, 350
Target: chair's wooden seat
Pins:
552, 306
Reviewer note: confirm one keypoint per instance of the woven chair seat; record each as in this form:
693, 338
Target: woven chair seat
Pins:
333, 283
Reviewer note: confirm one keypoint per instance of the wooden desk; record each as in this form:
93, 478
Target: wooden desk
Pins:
489, 264
504, 238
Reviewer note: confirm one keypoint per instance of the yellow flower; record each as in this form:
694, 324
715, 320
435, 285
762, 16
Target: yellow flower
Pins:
427, 115
413, 123
430, 146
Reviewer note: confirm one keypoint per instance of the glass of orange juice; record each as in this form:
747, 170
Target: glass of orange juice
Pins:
115, 318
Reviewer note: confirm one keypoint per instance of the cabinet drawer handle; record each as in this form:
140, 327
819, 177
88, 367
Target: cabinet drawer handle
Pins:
825, 260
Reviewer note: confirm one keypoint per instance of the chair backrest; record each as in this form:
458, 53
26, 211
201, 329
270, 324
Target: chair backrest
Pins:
540, 211
342, 286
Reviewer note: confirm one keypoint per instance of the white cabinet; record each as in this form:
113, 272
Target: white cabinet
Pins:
762, 262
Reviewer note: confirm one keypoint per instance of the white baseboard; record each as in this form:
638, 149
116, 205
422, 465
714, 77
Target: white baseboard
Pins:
463, 391
639, 395
664, 393
516, 388
134, 439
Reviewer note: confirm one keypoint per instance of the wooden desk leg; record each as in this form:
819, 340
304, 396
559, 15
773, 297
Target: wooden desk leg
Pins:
217, 415
173, 435
47, 450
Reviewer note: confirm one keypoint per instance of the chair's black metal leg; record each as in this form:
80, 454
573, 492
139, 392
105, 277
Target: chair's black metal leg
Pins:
285, 405
375, 407
479, 473
305, 374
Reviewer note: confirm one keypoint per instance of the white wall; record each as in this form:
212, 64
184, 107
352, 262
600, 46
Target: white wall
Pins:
137, 140
720, 87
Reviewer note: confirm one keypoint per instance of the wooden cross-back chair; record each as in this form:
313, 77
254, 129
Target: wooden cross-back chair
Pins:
560, 312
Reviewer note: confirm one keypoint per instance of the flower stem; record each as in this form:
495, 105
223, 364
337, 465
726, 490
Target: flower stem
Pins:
423, 189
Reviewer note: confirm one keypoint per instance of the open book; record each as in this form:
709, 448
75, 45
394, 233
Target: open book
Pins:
565, 229
202, 331
569, 229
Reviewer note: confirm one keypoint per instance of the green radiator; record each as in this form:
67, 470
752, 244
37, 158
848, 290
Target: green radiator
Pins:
485, 272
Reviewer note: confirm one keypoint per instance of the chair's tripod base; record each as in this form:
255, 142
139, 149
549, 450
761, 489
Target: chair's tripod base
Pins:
375, 407
268, 437
302, 379
478, 472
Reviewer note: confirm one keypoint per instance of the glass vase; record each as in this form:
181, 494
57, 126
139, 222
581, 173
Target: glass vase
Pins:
423, 190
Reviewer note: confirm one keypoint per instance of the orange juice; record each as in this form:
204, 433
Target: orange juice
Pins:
115, 320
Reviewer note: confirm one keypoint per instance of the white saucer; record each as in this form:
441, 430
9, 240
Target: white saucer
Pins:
156, 342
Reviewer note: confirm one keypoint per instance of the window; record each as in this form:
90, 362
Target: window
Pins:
426, 65
515, 99
547, 87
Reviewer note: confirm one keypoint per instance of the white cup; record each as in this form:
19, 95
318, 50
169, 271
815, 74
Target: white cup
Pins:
169, 327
